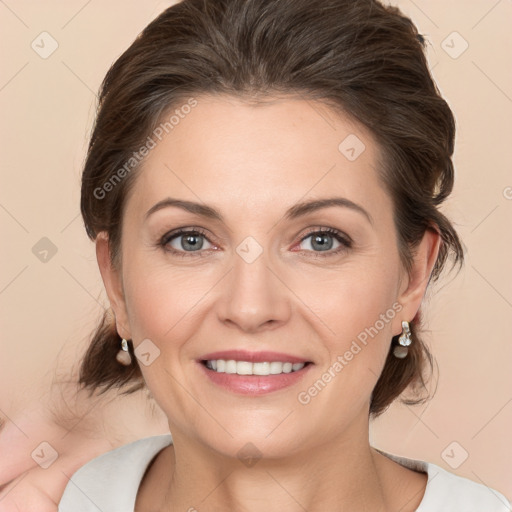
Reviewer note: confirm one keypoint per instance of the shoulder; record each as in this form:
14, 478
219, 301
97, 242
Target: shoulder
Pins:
111, 481
448, 492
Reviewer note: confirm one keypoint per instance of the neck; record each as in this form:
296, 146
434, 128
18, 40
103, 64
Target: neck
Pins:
342, 474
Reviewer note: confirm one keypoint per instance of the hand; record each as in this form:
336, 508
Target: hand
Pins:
25, 486
37, 489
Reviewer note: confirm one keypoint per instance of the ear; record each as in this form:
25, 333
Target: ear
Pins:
113, 284
414, 286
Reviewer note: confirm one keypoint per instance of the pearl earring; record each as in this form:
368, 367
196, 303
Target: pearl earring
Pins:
123, 356
400, 351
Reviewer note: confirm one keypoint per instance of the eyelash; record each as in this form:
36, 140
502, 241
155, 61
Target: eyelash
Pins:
345, 241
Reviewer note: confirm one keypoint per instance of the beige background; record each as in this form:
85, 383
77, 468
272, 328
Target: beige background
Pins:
49, 307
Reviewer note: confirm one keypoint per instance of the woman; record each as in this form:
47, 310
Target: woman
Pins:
262, 184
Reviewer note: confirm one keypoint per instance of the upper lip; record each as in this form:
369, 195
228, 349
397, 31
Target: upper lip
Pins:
253, 357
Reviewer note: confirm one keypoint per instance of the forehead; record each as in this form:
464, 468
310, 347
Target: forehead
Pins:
247, 158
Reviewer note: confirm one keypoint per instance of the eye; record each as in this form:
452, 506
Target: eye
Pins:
185, 241
322, 241
191, 242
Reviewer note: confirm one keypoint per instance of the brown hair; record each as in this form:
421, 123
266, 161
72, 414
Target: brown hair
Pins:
358, 56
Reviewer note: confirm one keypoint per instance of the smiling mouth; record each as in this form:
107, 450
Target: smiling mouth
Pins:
259, 369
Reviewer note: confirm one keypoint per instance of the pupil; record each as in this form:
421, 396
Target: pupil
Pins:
192, 245
321, 239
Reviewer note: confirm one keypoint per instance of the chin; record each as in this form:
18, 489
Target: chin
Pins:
256, 443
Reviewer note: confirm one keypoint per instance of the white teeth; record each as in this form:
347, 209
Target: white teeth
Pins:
276, 367
230, 366
287, 367
260, 368
243, 368
248, 368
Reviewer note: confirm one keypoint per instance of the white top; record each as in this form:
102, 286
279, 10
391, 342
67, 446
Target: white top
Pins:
110, 482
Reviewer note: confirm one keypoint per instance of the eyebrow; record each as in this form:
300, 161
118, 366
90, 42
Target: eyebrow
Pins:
296, 211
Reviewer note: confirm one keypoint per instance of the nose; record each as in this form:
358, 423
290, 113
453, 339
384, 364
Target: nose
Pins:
254, 296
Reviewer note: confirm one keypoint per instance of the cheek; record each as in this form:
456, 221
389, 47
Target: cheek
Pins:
360, 311
354, 299
358, 306
163, 306
162, 300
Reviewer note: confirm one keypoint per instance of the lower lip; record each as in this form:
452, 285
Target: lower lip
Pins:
254, 384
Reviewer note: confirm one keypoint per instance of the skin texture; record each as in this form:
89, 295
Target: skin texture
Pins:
24, 485
252, 163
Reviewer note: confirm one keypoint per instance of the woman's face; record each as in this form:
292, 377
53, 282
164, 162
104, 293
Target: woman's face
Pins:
257, 276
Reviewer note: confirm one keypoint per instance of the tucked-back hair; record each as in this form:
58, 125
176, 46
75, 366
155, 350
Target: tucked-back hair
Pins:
361, 58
